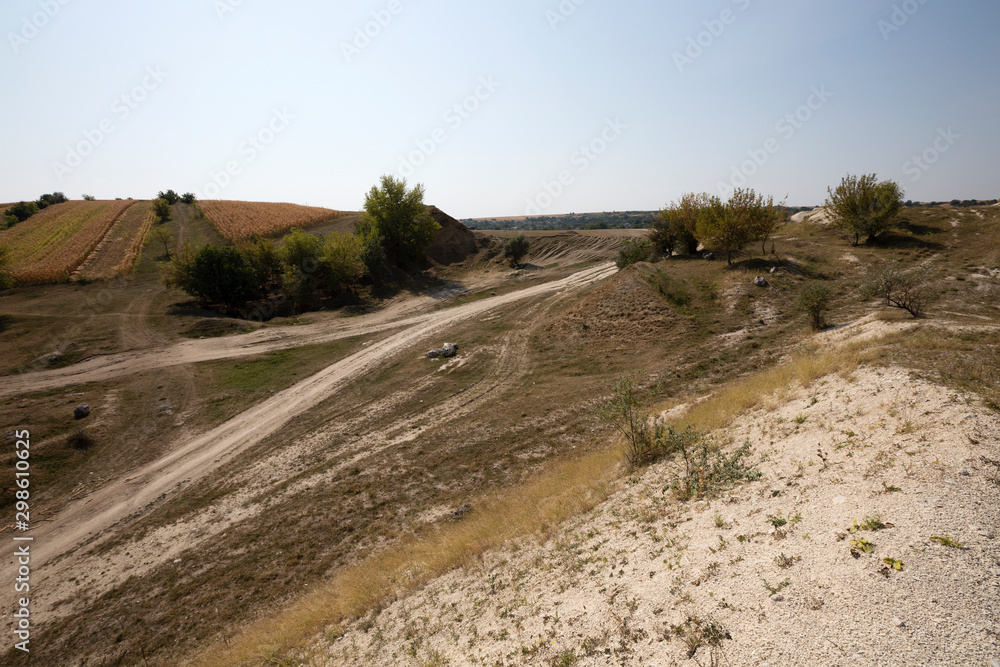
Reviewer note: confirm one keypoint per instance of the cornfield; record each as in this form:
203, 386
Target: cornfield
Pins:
50, 245
236, 220
117, 253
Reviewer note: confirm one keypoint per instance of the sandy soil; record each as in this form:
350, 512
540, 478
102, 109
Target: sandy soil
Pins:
88, 519
766, 569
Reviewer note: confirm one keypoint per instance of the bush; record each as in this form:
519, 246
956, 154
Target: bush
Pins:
862, 206
677, 225
170, 196
634, 251
80, 440
19, 212
161, 208
188, 198
814, 301
54, 198
898, 287
514, 249
729, 226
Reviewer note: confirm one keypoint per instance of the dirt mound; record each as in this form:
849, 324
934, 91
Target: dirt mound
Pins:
624, 307
453, 243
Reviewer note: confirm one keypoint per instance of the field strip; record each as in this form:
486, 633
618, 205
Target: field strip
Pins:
196, 458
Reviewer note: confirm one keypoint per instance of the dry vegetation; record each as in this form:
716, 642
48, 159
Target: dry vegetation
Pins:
51, 244
238, 220
118, 252
352, 506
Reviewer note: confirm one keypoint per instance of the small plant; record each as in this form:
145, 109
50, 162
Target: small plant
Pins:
785, 562
719, 521
776, 520
80, 440
947, 542
695, 632
887, 488
774, 590
871, 523
860, 545
893, 563
565, 659
800, 419
814, 301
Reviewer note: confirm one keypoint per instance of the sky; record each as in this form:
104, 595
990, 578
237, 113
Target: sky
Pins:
498, 108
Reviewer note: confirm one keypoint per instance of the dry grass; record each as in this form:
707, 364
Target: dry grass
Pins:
565, 490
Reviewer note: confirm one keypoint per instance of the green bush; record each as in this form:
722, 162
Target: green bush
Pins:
634, 251
514, 249
814, 301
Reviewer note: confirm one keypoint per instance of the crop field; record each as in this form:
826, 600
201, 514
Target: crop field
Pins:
53, 243
116, 254
237, 220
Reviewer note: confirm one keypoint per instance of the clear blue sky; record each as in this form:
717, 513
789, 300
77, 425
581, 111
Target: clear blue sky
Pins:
125, 99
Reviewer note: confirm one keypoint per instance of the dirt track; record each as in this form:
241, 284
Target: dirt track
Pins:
196, 458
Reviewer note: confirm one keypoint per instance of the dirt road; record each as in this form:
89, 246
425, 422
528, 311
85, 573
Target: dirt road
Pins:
196, 458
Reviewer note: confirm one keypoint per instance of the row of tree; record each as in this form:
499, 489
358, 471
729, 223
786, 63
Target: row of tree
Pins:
395, 229
861, 206
23, 210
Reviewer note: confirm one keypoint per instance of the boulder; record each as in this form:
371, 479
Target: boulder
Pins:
709, 256
760, 281
461, 511
435, 353
449, 350
81, 411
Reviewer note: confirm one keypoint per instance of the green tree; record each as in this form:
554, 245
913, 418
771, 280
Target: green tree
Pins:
729, 226
515, 248
171, 197
676, 226
188, 198
20, 212
863, 206
223, 276
50, 199
633, 251
400, 219
341, 261
373, 257
161, 208
89, 198
265, 260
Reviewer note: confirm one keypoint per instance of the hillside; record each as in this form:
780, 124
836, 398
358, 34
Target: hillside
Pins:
263, 495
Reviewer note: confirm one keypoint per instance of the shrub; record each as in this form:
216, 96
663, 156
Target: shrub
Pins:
80, 440
896, 286
814, 301
161, 208
634, 251
862, 206
514, 249
677, 225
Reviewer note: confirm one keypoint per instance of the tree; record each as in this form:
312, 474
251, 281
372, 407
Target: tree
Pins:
50, 199
729, 226
162, 236
161, 208
400, 219
862, 206
265, 260
171, 197
188, 198
515, 248
89, 198
898, 287
223, 276
19, 212
633, 251
340, 261
677, 224
814, 301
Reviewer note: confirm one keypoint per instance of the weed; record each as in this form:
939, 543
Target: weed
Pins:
564, 659
800, 419
80, 440
785, 562
774, 590
947, 542
871, 523
860, 545
776, 520
887, 488
893, 563
719, 521
695, 632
